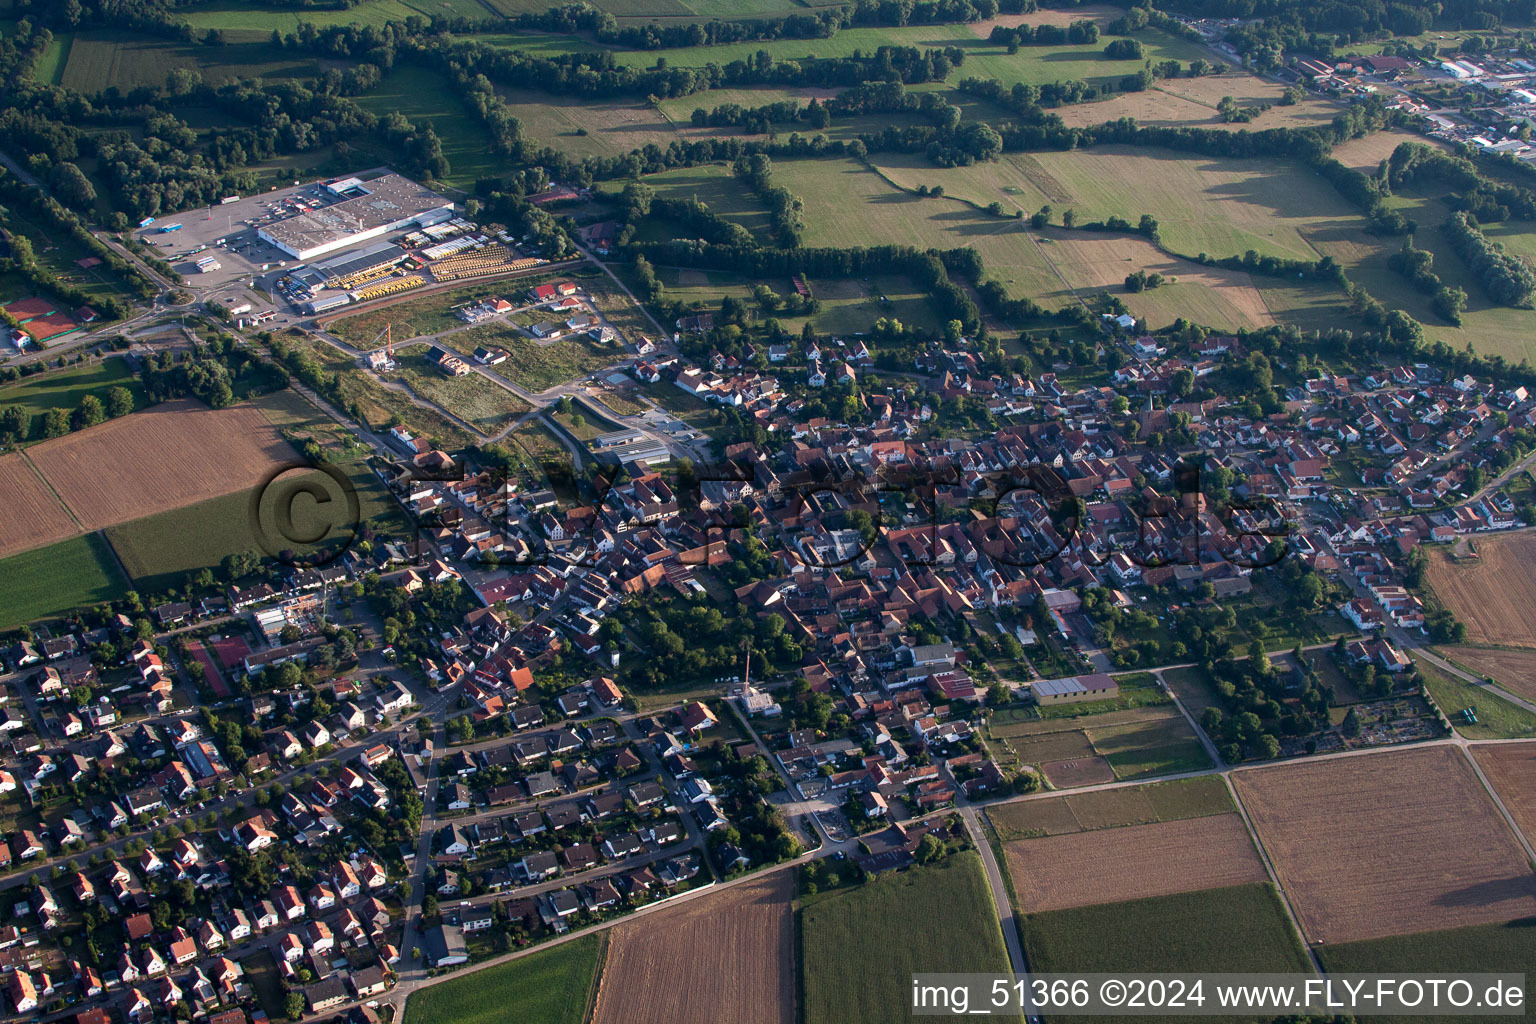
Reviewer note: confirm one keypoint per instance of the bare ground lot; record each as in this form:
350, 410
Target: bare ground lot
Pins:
172, 455
34, 516
1511, 767
727, 958
1493, 593
1388, 844
1082, 771
1515, 671
1134, 862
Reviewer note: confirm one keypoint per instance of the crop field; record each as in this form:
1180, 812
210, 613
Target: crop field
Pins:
550, 986
425, 97
64, 389
1325, 826
1494, 593
1366, 153
1497, 718
1154, 802
1213, 205
715, 186
243, 20
1132, 862
1489, 947
34, 514
172, 455
1036, 65
474, 398
58, 579
159, 551
846, 204
1513, 670
861, 946
101, 59
1511, 768
1124, 744
1241, 928
732, 951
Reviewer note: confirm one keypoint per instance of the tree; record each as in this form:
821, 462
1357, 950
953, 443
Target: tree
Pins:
929, 849
55, 423
294, 1005
119, 402
71, 186
1069, 218
1351, 724
90, 413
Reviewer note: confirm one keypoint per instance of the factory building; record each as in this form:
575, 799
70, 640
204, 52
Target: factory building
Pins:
362, 210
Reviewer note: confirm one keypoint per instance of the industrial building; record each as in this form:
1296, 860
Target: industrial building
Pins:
623, 446
363, 210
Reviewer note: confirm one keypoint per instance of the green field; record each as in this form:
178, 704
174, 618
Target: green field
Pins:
474, 398
425, 98
59, 252
1136, 750
58, 579
1238, 929
1492, 947
162, 550
243, 19
1497, 718
711, 184
50, 67
1112, 808
551, 986
860, 946
101, 58
63, 389
428, 315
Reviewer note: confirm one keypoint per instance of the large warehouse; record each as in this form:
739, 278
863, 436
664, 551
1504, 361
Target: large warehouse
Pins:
363, 210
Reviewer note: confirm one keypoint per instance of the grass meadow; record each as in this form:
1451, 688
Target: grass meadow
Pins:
378, 404
63, 389
58, 579
551, 986
424, 97
474, 398
100, 59
1497, 718
860, 946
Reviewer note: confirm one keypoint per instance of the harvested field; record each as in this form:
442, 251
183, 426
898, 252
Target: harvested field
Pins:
1515, 671
1192, 101
1082, 771
1054, 746
732, 952
34, 516
172, 455
1062, 17
1134, 862
1494, 593
1387, 844
1365, 154
1511, 768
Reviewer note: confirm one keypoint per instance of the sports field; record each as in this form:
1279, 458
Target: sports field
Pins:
549, 986
860, 946
58, 579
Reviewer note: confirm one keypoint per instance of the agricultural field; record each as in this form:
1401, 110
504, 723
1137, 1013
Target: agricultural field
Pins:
57, 579
160, 551
855, 970
63, 389
711, 184
1514, 670
1494, 593
1511, 769
1124, 744
35, 515
1238, 929
1177, 800
101, 59
1366, 153
1325, 824
1213, 205
1489, 947
1133, 862
1497, 718
475, 398
172, 455
1193, 102
847, 204
425, 98
241, 20
548, 986
732, 951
